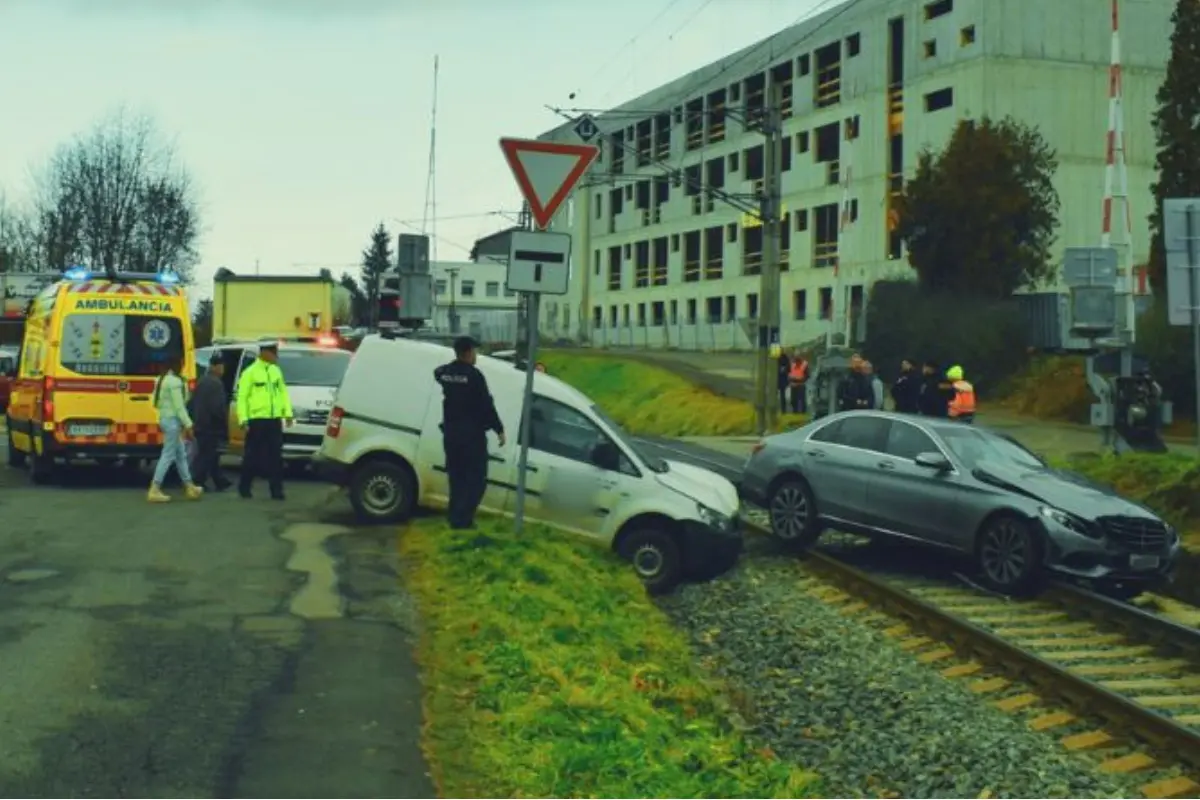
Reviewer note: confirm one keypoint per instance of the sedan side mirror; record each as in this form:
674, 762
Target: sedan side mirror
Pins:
606, 456
934, 461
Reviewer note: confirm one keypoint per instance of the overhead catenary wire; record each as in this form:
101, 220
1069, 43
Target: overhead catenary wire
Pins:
629, 44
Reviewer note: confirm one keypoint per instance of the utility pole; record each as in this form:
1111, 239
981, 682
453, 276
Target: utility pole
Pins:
769, 289
525, 223
453, 318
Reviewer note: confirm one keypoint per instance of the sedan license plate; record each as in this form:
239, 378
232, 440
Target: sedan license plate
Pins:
1144, 562
87, 429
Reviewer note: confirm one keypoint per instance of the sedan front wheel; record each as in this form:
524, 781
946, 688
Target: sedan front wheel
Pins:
1010, 554
793, 512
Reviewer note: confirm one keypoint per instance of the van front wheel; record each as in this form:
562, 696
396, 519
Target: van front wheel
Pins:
382, 491
655, 557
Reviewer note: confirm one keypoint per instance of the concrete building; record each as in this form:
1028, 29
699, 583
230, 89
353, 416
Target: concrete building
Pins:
476, 292
866, 86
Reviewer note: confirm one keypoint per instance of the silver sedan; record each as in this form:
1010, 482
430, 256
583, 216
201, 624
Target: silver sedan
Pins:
960, 488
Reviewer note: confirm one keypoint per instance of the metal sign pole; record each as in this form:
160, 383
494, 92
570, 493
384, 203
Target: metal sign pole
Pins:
1193, 264
532, 301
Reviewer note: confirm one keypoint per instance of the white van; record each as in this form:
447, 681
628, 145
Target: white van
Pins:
311, 372
585, 475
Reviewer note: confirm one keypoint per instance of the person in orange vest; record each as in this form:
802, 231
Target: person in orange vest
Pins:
962, 406
783, 368
798, 382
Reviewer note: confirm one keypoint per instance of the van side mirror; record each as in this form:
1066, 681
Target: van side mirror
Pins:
934, 461
606, 456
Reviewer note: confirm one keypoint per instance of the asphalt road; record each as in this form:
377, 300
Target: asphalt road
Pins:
724, 464
222, 648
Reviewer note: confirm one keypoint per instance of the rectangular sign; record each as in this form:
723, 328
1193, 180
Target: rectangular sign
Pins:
539, 262
1181, 240
1090, 266
18, 288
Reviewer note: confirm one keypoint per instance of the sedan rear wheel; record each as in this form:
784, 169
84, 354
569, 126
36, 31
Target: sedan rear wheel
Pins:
793, 513
1009, 554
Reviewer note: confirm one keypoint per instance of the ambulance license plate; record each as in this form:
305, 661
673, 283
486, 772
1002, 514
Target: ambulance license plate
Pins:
87, 429
1144, 562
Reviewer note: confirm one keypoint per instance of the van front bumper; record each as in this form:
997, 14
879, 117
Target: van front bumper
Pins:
709, 551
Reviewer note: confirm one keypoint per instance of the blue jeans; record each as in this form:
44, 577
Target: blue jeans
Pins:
174, 452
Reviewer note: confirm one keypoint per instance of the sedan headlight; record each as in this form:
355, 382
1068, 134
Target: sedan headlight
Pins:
1070, 522
713, 519
1172, 534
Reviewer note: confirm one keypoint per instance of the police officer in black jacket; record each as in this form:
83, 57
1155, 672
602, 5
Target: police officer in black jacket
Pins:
468, 413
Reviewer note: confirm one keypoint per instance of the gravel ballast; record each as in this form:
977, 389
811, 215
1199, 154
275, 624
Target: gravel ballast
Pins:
835, 695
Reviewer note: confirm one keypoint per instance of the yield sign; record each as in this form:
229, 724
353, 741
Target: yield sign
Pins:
546, 172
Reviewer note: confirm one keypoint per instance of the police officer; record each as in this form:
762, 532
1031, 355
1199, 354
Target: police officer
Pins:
468, 413
263, 409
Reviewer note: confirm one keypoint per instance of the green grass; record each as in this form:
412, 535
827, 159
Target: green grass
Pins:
650, 401
548, 673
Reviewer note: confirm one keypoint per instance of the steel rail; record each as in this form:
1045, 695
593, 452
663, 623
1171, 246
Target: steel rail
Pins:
1087, 697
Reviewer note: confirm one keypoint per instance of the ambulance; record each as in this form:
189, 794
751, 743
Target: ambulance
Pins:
92, 351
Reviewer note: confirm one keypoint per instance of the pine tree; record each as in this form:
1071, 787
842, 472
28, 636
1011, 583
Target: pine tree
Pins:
1177, 130
376, 261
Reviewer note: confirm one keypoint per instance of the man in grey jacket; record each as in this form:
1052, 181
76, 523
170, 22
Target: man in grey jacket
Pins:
210, 416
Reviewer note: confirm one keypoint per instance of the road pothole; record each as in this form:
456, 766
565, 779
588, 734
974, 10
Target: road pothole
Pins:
319, 597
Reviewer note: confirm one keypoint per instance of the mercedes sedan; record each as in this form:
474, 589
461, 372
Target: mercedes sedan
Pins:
960, 488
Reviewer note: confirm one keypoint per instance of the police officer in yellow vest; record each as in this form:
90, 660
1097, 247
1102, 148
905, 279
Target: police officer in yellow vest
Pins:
962, 406
263, 409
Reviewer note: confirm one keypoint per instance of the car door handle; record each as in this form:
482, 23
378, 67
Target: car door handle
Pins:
141, 399
886, 465
816, 453
531, 468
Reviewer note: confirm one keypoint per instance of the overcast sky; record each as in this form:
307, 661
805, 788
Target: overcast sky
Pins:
306, 122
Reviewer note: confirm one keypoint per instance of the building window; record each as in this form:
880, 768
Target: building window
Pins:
930, 48
674, 242
853, 45
826, 301
852, 124
801, 220
752, 305
731, 232
595, 262
492, 289
940, 8
597, 317
468, 288
966, 36
439, 286
942, 98
690, 319
733, 162
802, 142
803, 65
799, 304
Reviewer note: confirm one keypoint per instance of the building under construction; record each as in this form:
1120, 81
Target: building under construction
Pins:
668, 248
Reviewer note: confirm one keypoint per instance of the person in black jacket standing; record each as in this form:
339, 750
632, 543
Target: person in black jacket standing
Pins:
856, 392
468, 413
906, 391
210, 418
936, 394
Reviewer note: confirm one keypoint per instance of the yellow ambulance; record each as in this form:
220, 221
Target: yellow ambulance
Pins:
92, 351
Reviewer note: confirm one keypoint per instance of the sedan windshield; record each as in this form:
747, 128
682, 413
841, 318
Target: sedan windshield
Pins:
653, 462
972, 446
313, 367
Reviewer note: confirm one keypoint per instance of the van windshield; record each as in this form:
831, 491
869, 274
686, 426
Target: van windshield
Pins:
653, 462
119, 344
313, 367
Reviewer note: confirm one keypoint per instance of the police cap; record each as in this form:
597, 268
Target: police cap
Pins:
464, 345
268, 344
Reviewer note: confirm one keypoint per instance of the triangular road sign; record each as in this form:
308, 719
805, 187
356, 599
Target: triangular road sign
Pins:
546, 172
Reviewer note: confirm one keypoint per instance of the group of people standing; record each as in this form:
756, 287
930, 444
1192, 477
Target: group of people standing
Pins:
929, 392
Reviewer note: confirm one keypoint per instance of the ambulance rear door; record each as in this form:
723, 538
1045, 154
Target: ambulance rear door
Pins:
117, 358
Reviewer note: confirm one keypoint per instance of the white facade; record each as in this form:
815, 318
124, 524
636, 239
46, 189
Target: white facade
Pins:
486, 309
659, 264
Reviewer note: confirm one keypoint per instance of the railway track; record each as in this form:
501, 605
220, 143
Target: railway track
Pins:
1109, 679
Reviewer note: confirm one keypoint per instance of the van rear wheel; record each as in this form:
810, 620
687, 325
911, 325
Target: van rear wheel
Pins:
382, 491
16, 458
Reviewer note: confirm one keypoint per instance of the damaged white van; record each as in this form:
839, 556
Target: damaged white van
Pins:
585, 475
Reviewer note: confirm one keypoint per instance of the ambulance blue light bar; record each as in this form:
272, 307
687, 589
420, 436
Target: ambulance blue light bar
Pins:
167, 276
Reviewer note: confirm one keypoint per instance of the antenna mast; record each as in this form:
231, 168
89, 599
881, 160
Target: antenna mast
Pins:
429, 222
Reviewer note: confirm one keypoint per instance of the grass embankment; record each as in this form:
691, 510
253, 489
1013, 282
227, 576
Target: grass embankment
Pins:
650, 401
548, 673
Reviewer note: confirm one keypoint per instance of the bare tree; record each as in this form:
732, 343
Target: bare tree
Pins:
18, 245
117, 198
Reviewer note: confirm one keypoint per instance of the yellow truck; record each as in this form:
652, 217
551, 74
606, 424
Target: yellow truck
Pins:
247, 308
